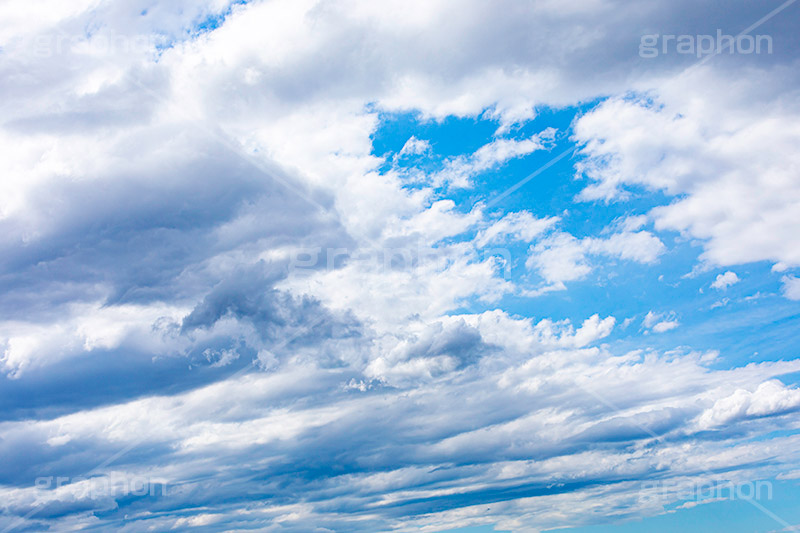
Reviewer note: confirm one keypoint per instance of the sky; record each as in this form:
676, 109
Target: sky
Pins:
399, 266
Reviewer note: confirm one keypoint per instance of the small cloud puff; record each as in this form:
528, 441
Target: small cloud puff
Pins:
725, 280
414, 146
660, 322
791, 287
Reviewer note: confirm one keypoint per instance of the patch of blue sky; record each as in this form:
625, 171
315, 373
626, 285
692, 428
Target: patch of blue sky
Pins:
727, 514
550, 193
215, 20
209, 22
749, 321
449, 137
475, 529
779, 433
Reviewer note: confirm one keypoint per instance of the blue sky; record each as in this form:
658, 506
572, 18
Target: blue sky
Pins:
712, 319
359, 266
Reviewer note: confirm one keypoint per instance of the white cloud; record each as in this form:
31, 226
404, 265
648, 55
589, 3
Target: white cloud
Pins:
770, 398
559, 258
459, 171
632, 223
86, 328
562, 257
297, 416
414, 146
520, 226
640, 246
719, 145
791, 287
660, 322
723, 281
666, 325
592, 329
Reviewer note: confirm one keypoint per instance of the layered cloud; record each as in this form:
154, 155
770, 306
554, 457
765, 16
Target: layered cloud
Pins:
319, 448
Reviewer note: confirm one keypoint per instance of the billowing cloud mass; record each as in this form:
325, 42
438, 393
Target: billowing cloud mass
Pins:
346, 266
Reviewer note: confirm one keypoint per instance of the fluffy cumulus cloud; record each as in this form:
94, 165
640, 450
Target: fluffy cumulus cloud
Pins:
519, 225
224, 307
791, 287
769, 398
562, 257
660, 322
723, 281
724, 143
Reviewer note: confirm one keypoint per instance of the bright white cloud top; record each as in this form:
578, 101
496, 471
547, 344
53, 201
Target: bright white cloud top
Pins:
397, 266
